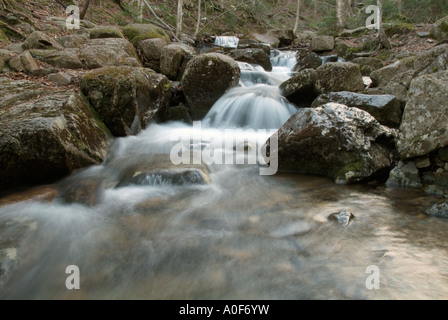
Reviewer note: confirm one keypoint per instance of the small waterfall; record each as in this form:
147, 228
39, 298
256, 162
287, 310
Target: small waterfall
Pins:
227, 42
257, 103
256, 107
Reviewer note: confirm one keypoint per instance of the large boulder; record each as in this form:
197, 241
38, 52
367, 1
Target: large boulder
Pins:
23, 62
105, 32
39, 40
424, 125
284, 36
152, 50
126, 98
66, 59
253, 56
384, 108
322, 43
139, 32
339, 76
174, 58
45, 135
207, 77
300, 88
439, 30
254, 44
310, 61
343, 143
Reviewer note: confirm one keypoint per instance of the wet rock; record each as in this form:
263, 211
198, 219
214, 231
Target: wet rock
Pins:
253, 56
152, 50
311, 61
126, 98
46, 135
273, 41
39, 40
178, 113
23, 62
422, 163
60, 78
441, 180
300, 88
159, 169
423, 128
254, 44
284, 36
384, 108
339, 76
89, 192
105, 32
405, 175
322, 43
434, 190
174, 58
443, 154
343, 217
439, 210
139, 32
207, 77
346, 144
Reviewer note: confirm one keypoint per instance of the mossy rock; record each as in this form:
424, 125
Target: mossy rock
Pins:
439, 30
105, 32
4, 38
10, 32
139, 32
400, 29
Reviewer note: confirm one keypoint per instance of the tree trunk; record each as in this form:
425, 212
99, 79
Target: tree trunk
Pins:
179, 17
83, 12
198, 24
384, 40
340, 11
296, 26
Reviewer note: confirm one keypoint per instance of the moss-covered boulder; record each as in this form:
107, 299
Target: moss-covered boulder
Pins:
322, 43
439, 30
126, 98
310, 61
152, 50
105, 32
139, 32
343, 143
45, 135
207, 77
39, 40
253, 56
67, 59
339, 76
424, 125
174, 59
368, 64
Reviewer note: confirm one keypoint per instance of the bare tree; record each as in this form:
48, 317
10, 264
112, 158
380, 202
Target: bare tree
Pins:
84, 9
179, 17
384, 40
341, 12
198, 24
296, 26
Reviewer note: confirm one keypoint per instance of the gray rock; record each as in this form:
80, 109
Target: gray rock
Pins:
433, 190
254, 44
439, 210
423, 128
4, 56
404, 175
126, 98
23, 62
384, 108
152, 50
346, 144
39, 40
207, 77
60, 78
174, 58
439, 30
284, 36
45, 135
300, 88
339, 76
322, 43
421, 163
368, 64
253, 56
311, 61
343, 217
73, 41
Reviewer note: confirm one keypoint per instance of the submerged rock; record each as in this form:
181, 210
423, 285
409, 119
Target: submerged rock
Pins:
346, 144
404, 175
439, 210
126, 98
384, 108
159, 169
343, 217
207, 77
253, 56
46, 135
423, 128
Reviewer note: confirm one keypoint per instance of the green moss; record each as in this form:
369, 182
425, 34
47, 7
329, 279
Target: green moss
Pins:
139, 32
106, 32
444, 26
435, 69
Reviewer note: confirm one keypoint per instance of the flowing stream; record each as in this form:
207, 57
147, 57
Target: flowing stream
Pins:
243, 236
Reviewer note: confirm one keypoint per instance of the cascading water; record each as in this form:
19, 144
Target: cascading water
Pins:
243, 236
227, 41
